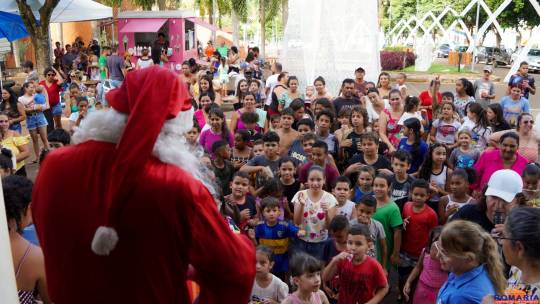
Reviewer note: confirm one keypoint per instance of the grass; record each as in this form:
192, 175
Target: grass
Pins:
437, 68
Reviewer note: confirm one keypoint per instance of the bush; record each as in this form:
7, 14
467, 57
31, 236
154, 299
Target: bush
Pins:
397, 60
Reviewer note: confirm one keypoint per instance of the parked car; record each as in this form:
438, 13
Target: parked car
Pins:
533, 59
493, 55
442, 51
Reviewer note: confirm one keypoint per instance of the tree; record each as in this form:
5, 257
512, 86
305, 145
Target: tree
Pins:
268, 9
39, 32
238, 13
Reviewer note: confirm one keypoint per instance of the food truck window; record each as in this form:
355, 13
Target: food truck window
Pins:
147, 39
189, 35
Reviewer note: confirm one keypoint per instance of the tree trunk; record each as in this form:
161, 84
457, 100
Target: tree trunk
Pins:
236, 27
162, 5
262, 18
284, 11
211, 12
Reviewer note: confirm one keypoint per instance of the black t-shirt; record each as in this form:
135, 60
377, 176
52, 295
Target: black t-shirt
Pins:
297, 153
503, 126
349, 152
474, 214
249, 204
342, 102
400, 191
289, 191
224, 177
381, 163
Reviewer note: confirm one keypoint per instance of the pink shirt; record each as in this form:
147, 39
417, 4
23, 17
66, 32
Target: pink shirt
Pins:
491, 161
208, 138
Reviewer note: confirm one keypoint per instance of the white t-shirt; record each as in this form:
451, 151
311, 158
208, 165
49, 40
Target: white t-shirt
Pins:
277, 291
346, 210
407, 115
314, 218
372, 114
271, 82
145, 63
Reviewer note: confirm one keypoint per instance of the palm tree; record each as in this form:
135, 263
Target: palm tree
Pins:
238, 13
268, 9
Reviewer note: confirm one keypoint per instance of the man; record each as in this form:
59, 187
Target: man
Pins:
69, 57
31, 74
347, 98
484, 89
272, 81
523, 80
359, 82
223, 49
127, 232
103, 73
115, 68
94, 46
58, 53
159, 49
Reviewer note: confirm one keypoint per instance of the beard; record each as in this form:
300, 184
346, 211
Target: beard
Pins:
170, 147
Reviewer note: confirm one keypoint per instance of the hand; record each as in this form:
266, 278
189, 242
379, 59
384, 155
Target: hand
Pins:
391, 149
329, 292
406, 222
385, 171
346, 143
394, 259
238, 164
342, 256
301, 199
324, 206
451, 209
407, 290
354, 168
244, 215
497, 231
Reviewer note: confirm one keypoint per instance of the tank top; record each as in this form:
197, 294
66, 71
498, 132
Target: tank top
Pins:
275, 102
531, 154
392, 129
25, 296
453, 202
440, 181
315, 298
432, 275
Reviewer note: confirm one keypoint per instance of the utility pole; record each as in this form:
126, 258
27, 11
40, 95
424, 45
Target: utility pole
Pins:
475, 37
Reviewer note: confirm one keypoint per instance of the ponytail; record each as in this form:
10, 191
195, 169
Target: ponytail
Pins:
492, 259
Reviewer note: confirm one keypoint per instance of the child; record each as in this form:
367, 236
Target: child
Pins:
459, 193
218, 130
91, 97
245, 202
324, 122
343, 118
410, 110
361, 277
258, 148
400, 84
286, 133
306, 274
311, 213
401, 181
223, 168
289, 184
345, 207
418, 220
275, 234
467, 251
241, 152
249, 122
310, 96
388, 215
429, 273
75, 118
273, 188
301, 150
335, 244
365, 210
413, 143
192, 137
476, 122
255, 89
319, 153
39, 98
436, 172
359, 123
266, 165
267, 288
531, 177
370, 157
465, 155
444, 129
364, 183
275, 122
7, 162
447, 97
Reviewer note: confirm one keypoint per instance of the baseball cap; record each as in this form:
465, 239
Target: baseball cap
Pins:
360, 70
505, 184
488, 68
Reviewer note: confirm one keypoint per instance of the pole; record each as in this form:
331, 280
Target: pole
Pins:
475, 37
8, 287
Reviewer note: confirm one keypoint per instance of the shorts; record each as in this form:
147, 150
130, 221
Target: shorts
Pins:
35, 120
57, 109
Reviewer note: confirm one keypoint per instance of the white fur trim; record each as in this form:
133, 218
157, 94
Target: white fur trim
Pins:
104, 241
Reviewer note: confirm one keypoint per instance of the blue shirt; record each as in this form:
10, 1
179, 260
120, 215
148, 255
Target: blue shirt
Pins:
418, 158
512, 109
517, 80
470, 287
358, 194
277, 237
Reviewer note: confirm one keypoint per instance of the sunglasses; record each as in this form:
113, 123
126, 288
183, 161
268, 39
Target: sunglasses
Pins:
528, 122
51, 74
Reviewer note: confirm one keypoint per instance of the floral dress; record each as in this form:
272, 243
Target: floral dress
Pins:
393, 129
314, 218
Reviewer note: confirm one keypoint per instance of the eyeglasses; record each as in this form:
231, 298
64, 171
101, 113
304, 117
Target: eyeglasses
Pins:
51, 74
499, 239
528, 122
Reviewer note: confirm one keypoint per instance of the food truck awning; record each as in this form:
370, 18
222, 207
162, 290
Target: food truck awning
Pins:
143, 26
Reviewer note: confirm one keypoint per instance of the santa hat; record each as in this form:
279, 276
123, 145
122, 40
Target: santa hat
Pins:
149, 97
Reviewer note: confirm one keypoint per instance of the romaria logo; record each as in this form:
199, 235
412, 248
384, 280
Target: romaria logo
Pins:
516, 296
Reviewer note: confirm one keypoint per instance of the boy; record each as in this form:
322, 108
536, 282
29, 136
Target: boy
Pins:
364, 183
287, 134
361, 277
275, 122
223, 168
400, 85
336, 243
266, 165
276, 235
325, 120
243, 200
369, 142
192, 137
250, 119
401, 181
302, 152
319, 153
296, 151
342, 192
418, 221
364, 211
58, 138
258, 147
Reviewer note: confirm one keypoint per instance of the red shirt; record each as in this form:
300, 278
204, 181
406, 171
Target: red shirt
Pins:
170, 221
53, 92
358, 283
330, 174
416, 233
427, 100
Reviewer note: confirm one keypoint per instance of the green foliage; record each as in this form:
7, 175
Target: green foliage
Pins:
240, 7
144, 4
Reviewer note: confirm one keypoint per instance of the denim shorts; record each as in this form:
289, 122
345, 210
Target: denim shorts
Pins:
57, 109
35, 120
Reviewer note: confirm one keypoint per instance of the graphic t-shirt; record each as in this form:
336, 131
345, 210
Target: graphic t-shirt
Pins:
277, 290
314, 218
517, 80
345, 103
462, 159
461, 103
277, 238
515, 284
512, 108
358, 283
399, 191
446, 132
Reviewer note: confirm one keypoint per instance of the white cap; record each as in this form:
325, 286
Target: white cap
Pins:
505, 184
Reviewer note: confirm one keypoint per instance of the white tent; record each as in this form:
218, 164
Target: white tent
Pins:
65, 11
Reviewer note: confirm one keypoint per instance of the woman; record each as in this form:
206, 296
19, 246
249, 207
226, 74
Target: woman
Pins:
278, 94
494, 113
128, 65
206, 87
28, 259
233, 60
201, 115
249, 106
520, 241
291, 94
145, 60
463, 96
528, 142
74, 76
504, 157
16, 143
36, 122
431, 98
374, 104
383, 85
52, 83
242, 88
389, 129
13, 108
320, 89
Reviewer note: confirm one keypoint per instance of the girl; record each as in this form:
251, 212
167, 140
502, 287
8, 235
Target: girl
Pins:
206, 87
413, 143
309, 95
531, 177
383, 84
201, 115
429, 273
411, 110
291, 94
241, 151
267, 288
389, 129
75, 119
306, 274
218, 130
390, 217
476, 122
464, 95
36, 123
241, 89
513, 105
465, 155
144, 61
444, 129
494, 115
435, 170
364, 183
311, 213
344, 122
467, 251
273, 188
459, 194
14, 109
286, 177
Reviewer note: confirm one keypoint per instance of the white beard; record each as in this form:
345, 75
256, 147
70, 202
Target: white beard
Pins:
170, 146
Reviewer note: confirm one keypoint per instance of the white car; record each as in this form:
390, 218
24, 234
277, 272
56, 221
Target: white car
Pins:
533, 59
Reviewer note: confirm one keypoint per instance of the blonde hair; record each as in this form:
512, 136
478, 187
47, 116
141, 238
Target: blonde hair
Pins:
464, 238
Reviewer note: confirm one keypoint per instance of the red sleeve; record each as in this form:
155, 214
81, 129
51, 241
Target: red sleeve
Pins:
224, 261
425, 99
379, 277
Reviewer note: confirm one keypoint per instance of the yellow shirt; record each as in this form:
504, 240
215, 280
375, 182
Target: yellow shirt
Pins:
13, 143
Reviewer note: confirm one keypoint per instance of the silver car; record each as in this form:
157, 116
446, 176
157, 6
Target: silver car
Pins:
533, 59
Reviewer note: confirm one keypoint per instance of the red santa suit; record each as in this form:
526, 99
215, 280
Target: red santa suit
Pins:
164, 219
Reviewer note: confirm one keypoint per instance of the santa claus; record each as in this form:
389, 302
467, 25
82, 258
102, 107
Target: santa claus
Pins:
122, 213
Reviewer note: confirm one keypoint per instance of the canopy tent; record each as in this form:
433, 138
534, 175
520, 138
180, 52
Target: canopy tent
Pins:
143, 26
65, 11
